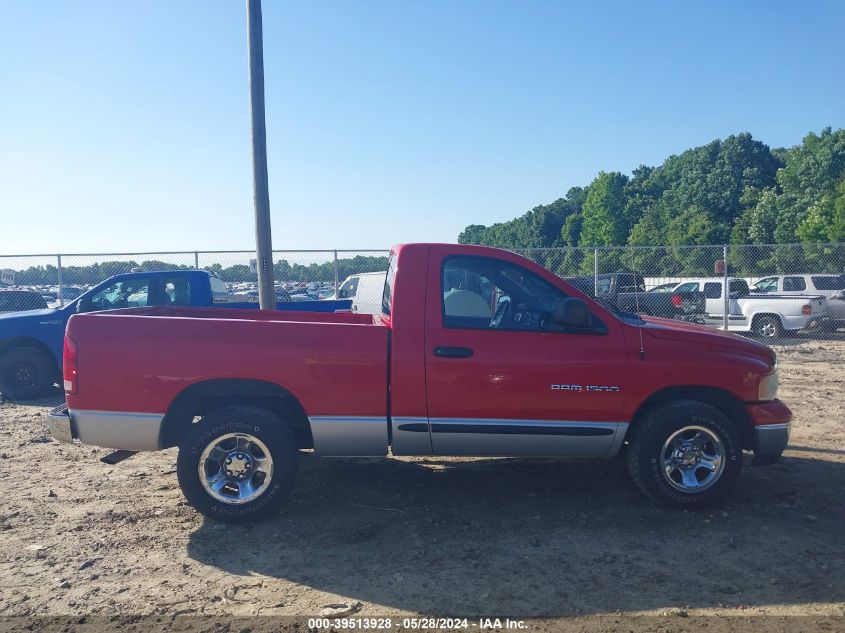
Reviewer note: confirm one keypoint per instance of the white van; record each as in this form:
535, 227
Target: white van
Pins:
365, 290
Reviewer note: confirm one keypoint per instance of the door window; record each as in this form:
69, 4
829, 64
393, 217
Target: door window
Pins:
130, 293
387, 294
487, 293
794, 284
767, 285
177, 291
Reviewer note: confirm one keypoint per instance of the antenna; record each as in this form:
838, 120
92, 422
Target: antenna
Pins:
637, 301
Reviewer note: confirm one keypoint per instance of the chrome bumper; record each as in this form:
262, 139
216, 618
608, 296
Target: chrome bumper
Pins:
109, 429
60, 424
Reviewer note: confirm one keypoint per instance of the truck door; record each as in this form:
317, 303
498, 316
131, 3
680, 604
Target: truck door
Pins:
502, 379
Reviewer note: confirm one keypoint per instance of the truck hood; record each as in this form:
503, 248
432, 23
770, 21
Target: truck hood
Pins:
692, 333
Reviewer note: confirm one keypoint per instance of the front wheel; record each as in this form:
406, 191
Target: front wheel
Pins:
238, 464
685, 454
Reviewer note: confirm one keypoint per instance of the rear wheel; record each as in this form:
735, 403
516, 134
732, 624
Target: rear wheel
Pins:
26, 373
768, 327
685, 454
238, 464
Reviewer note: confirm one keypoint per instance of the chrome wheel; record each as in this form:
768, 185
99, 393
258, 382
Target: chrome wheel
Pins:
236, 468
768, 329
693, 459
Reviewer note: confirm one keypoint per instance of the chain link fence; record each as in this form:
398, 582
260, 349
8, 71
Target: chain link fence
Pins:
57, 280
777, 293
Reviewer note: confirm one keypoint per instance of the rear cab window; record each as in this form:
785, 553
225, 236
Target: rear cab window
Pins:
219, 291
387, 295
177, 291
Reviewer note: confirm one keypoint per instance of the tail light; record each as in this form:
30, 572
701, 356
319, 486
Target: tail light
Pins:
69, 364
807, 309
677, 301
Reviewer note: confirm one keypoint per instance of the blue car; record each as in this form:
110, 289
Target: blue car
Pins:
31, 342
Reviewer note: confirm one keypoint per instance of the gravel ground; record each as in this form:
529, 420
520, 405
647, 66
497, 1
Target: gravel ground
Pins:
500, 537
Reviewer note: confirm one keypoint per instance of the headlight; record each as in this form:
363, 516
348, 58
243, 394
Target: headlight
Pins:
768, 387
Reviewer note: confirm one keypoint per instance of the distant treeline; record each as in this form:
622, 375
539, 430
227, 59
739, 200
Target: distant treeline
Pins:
283, 271
732, 191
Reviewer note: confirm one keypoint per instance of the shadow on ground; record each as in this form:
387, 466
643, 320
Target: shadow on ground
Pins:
530, 537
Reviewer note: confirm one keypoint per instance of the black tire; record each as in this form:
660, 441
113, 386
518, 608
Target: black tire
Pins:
646, 453
253, 421
26, 373
767, 327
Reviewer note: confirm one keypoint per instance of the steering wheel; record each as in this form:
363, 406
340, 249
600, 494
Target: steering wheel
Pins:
502, 313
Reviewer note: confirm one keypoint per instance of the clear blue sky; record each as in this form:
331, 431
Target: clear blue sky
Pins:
125, 125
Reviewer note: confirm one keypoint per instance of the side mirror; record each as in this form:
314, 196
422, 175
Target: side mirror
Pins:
83, 305
572, 312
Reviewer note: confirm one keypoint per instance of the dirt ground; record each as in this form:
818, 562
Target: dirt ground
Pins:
499, 537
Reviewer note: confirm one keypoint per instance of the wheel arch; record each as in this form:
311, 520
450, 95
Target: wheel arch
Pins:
716, 397
203, 397
759, 315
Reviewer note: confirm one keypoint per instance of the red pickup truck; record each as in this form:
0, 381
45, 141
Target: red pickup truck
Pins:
477, 351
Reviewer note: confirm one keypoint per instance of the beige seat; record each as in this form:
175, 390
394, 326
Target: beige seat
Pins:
463, 303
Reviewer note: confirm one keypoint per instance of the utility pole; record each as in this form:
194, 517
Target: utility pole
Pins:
263, 239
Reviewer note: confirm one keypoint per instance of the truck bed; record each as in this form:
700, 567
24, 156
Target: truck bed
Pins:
246, 314
141, 359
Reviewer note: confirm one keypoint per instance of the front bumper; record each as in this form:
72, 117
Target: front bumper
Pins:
60, 424
772, 422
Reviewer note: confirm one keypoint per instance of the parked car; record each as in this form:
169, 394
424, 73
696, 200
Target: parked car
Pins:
836, 310
626, 292
822, 284
365, 291
476, 351
31, 343
20, 301
766, 316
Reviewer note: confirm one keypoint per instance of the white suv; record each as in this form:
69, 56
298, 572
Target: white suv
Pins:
824, 284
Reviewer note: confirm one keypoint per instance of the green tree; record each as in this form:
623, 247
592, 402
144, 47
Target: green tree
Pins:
604, 222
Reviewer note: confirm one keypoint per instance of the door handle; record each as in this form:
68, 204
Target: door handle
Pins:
453, 352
